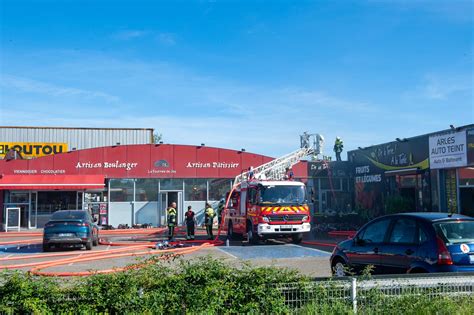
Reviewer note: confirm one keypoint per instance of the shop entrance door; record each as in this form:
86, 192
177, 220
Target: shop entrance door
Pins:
165, 200
467, 200
410, 196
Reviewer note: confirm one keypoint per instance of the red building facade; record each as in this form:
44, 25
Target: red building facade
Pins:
123, 184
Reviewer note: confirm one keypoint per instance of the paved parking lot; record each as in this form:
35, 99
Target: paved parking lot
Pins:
306, 259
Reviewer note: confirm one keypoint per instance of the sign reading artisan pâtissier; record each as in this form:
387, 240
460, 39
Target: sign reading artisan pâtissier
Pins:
448, 150
32, 149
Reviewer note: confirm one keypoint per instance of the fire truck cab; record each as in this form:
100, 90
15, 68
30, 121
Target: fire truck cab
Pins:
260, 209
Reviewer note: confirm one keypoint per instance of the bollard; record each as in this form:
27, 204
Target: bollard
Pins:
227, 243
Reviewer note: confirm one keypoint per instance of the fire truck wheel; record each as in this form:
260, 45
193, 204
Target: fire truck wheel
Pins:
251, 237
297, 238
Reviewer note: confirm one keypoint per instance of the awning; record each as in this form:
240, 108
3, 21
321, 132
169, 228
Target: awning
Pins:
51, 182
466, 173
403, 171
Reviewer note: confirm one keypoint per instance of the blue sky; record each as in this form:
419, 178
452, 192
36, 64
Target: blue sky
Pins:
240, 74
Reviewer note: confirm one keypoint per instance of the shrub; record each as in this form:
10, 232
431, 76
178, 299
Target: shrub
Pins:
208, 286
199, 286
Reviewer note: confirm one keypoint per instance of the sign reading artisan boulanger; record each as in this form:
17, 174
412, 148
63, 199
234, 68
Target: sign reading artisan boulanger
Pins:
32, 149
448, 150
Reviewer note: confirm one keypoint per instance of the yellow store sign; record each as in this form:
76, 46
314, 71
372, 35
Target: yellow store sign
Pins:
32, 149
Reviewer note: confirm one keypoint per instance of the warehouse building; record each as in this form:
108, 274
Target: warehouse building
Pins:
32, 142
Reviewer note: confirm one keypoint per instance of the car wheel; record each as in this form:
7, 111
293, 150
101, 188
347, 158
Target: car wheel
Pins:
339, 269
46, 248
297, 238
89, 245
95, 241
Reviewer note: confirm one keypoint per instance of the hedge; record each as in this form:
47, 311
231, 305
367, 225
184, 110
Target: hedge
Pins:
199, 286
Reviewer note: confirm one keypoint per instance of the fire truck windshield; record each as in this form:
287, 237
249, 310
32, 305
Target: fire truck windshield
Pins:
294, 195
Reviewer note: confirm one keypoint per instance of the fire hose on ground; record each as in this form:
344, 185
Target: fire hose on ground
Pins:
127, 249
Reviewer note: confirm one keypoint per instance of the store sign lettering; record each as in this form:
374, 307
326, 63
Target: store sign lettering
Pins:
364, 177
211, 165
448, 150
33, 149
33, 172
116, 164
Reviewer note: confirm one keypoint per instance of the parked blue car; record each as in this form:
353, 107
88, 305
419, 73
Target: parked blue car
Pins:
70, 228
409, 243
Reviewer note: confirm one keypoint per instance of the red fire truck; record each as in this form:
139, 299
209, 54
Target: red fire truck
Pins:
266, 203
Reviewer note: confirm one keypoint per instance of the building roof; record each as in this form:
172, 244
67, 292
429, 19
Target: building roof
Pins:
71, 128
419, 136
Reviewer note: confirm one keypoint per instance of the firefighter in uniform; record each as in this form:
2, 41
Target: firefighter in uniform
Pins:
171, 213
209, 220
190, 222
220, 210
338, 146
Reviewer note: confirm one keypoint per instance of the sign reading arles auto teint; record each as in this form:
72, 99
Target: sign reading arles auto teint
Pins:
448, 150
32, 149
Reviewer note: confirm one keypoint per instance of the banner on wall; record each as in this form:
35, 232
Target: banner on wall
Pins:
30, 150
448, 150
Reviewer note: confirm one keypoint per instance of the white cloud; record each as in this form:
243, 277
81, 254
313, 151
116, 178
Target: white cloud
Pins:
129, 34
32, 86
436, 87
166, 39
440, 88
163, 38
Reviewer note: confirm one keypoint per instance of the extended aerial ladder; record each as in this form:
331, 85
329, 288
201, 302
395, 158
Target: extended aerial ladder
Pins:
311, 146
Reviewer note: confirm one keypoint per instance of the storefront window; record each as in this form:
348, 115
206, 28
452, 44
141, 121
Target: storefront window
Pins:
95, 197
19, 197
333, 184
324, 182
408, 181
218, 188
171, 184
121, 190
51, 201
466, 190
146, 189
195, 189
434, 190
451, 190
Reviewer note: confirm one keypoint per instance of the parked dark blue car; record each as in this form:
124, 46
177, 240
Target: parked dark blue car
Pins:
409, 243
70, 228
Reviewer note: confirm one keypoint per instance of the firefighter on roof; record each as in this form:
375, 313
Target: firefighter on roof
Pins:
171, 212
289, 173
209, 220
338, 146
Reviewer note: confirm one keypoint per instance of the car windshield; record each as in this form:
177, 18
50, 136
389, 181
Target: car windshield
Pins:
67, 215
282, 195
456, 231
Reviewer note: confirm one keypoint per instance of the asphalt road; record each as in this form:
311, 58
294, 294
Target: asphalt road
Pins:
308, 260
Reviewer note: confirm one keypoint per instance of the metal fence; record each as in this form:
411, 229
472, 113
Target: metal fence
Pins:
362, 294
